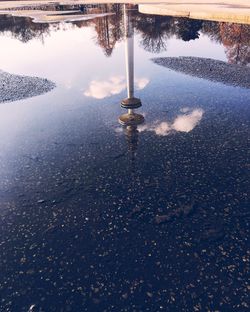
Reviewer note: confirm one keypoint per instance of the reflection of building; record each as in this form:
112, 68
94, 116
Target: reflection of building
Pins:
130, 120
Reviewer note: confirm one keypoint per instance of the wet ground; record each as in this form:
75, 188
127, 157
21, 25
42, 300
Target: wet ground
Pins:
16, 87
100, 217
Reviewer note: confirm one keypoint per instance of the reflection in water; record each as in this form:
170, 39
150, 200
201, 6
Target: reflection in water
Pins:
184, 122
236, 40
154, 30
188, 31
130, 102
86, 226
23, 29
130, 120
101, 89
108, 29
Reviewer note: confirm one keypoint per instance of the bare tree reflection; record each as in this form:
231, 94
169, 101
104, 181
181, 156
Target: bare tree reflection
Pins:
234, 37
212, 30
109, 28
154, 30
22, 28
236, 40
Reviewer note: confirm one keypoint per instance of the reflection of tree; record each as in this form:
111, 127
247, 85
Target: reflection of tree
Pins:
212, 30
108, 28
234, 37
22, 28
236, 40
155, 30
187, 29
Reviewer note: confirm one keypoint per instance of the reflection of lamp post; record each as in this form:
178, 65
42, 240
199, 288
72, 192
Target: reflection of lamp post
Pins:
130, 102
130, 120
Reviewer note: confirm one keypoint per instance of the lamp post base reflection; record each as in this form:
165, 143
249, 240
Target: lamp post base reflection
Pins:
131, 119
131, 103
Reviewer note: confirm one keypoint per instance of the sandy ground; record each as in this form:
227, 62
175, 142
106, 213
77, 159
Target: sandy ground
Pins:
15, 87
226, 11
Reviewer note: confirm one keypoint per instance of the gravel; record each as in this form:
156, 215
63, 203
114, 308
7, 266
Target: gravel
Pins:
15, 87
210, 69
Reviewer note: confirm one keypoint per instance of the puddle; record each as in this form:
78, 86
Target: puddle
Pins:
125, 188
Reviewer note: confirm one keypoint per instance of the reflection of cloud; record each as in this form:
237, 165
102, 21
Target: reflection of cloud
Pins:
186, 123
141, 83
100, 89
183, 123
185, 109
162, 128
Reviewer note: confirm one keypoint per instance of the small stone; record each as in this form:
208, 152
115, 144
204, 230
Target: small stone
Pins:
149, 294
125, 296
40, 201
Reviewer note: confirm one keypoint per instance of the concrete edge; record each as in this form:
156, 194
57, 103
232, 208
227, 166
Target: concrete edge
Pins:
216, 15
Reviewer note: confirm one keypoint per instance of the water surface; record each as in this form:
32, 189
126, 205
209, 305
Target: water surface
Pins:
100, 217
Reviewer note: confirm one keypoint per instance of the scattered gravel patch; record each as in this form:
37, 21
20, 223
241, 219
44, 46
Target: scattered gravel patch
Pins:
214, 70
15, 87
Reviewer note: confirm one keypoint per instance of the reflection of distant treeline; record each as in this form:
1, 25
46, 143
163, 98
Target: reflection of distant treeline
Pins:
154, 30
22, 28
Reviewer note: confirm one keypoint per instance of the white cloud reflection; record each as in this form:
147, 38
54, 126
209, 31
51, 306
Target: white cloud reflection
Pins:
187, 122
141, 83
184, 122
100, 89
